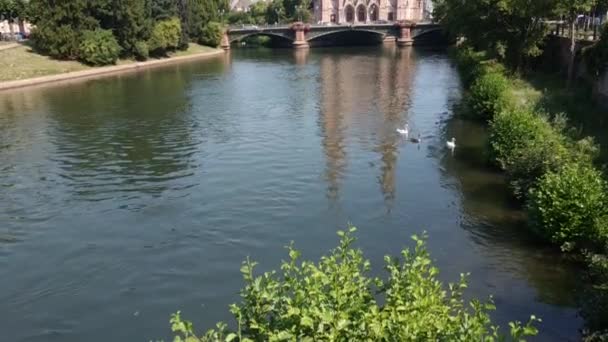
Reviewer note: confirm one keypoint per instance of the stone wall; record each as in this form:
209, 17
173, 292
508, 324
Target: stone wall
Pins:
556, 56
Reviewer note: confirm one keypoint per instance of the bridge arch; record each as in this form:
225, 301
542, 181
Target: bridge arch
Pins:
432, 35
357, 36
272, 35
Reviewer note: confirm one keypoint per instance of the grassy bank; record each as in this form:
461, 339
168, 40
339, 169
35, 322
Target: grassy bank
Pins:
22, 63
550, 164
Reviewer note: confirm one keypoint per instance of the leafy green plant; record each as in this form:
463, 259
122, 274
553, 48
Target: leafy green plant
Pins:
570, 207
99, 47
336, 300
211, 34
165, 36
142, 51
488, 95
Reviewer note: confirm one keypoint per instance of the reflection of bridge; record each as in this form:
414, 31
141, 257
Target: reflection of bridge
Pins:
300, 35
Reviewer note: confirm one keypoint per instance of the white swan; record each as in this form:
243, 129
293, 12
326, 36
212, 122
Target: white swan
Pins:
405, 131
451, 144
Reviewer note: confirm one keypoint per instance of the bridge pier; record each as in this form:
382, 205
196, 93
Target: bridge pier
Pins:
225, 42
405, 33
300, 29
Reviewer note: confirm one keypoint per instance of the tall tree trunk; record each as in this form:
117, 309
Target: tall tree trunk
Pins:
572, 53
21, 27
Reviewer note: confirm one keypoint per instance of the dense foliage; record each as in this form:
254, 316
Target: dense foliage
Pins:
99, 47
211, 34
488, 95
570, 207
165, 36
336, 300
139, 26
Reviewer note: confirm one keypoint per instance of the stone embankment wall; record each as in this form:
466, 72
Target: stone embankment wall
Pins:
556, 57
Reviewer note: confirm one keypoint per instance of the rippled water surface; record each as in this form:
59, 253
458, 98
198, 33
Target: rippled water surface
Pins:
125, 199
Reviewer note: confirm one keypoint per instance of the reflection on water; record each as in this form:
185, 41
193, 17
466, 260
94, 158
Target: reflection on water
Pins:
142, 193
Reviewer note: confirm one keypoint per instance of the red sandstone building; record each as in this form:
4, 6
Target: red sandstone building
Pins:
368, 11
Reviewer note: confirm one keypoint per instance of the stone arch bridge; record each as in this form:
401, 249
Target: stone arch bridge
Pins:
300, 35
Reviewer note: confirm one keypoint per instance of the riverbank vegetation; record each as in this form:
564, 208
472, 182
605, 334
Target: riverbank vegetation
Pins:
102, 32
336, 299
552, 169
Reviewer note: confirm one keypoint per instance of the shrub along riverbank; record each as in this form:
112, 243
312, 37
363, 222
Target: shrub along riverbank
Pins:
336, 300
549, 169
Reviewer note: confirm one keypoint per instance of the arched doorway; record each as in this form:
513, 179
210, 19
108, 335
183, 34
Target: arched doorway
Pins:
373, 12
349, 13
361, 14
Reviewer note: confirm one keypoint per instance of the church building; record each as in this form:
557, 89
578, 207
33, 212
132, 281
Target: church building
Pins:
368, 11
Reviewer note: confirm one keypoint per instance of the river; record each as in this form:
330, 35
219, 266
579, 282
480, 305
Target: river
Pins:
127, 198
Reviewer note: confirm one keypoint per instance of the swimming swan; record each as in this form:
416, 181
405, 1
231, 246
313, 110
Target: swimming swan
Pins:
451, 144
405, 131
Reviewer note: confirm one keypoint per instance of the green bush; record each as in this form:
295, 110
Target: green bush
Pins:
489, 95
511, 131
99, 47
526, 146
142, 52
336, 300
468, 60
60, 42
165, 36
211, 34
570, 207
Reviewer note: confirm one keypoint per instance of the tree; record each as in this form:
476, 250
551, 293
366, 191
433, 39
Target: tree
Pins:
570, 9
163, 9
257, 11
129, 20
510, 29
202, 12
59, 26
165, 36
275, 13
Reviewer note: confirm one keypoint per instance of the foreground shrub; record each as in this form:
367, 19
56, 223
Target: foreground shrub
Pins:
335, 300
570, 207
141, 51
489, 95
165, 36
99, 47
211, 34
468, 60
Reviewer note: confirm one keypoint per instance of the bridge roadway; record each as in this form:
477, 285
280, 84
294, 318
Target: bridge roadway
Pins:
300, 35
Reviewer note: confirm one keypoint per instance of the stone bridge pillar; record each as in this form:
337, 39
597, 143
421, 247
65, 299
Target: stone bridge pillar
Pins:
300, 29
404, 37
225, 42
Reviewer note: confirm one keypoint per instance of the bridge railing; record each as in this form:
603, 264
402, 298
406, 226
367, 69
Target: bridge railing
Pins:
248, 27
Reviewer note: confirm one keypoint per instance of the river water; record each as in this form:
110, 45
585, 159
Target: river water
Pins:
128, 198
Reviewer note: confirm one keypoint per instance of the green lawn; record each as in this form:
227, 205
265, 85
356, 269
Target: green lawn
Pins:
21, 63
